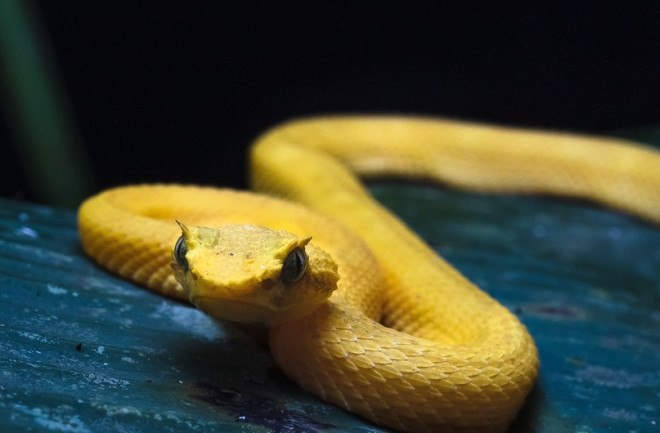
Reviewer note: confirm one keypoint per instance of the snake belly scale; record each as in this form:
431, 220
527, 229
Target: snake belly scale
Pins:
405, 340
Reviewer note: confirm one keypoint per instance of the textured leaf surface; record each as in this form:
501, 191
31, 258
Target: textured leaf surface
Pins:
84, 351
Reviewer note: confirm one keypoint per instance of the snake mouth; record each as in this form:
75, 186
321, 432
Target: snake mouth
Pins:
233, 310
249, 311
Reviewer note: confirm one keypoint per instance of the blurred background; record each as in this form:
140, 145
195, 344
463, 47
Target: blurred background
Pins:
102, 93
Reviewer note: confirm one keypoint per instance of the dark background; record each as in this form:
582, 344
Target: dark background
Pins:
176, 90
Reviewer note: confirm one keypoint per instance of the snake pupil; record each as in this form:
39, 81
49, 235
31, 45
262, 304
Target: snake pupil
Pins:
294, 266
180, 251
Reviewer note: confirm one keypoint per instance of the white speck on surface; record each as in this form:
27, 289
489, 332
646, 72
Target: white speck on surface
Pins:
35, 337
56, 290
27, 232
55, 419
107, 381
620, 414
128, 359
114, 410
610, 378
100, 350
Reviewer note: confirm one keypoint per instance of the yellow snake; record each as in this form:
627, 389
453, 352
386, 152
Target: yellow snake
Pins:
405, 340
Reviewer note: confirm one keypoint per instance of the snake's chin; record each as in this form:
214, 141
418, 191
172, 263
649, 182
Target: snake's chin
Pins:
232, 310
247, 312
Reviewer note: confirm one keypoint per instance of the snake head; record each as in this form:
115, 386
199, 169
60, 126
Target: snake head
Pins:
248, 273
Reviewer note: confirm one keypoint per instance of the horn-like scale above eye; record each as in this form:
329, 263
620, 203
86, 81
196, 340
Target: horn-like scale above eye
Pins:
294, 266
180, 251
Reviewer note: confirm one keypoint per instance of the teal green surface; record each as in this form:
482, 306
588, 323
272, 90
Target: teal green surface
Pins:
84, 351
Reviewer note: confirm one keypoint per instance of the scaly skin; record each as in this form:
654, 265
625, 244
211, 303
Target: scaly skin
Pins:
405, 340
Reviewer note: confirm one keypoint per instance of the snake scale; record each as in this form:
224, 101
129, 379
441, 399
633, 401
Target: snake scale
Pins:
405, 340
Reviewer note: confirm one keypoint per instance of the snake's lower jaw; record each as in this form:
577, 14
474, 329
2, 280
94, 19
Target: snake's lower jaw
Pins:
232, 310
248, 312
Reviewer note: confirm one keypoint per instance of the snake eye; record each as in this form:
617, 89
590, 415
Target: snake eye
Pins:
294, 266
180, 251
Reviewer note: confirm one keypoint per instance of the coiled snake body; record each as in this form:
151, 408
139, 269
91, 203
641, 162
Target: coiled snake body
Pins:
405, 340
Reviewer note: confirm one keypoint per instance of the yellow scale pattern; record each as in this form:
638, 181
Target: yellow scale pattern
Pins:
405, 341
